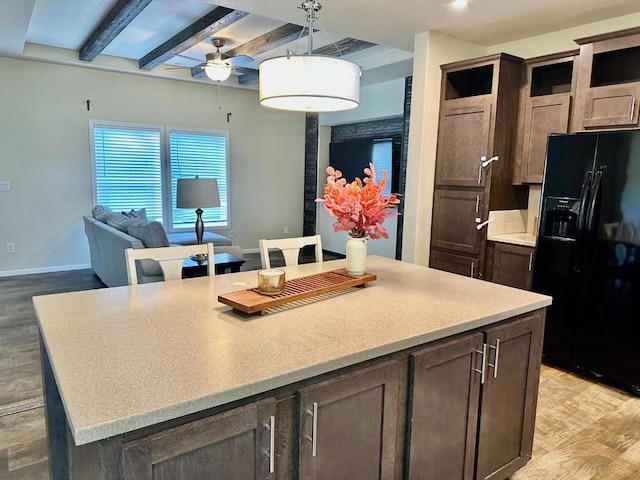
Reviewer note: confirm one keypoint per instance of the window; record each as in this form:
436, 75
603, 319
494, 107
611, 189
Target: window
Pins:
132, 169
381, 157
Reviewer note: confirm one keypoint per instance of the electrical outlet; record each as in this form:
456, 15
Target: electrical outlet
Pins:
230, 233
11, 247
286, 229
5, 186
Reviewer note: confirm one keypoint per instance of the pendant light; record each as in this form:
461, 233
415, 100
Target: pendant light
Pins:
309, 83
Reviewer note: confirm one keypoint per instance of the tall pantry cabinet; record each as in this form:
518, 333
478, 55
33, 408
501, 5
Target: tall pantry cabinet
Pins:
478, 112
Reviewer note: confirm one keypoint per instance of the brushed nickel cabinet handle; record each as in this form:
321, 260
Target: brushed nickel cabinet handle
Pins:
531, 261
633, 107
314, 428
483, 355
494, 365
473, 265
271, 426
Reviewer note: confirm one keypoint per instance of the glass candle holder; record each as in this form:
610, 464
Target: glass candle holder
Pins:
271, 282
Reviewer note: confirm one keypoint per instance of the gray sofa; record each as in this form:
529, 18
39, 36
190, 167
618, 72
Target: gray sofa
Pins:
108, 243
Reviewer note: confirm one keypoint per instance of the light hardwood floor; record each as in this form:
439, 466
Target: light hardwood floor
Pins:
584, 430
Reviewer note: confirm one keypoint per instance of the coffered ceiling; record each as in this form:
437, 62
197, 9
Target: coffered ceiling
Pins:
159, 35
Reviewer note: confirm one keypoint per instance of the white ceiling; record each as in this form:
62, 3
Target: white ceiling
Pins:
66, 24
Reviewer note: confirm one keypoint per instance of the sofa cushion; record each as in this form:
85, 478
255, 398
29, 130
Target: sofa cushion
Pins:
100, 212
119, 221
189, 238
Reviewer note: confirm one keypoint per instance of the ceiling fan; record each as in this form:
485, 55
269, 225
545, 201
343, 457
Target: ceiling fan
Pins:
218, 65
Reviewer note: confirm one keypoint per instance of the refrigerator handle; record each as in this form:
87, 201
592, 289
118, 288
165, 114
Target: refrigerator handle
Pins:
582, 213
583, 202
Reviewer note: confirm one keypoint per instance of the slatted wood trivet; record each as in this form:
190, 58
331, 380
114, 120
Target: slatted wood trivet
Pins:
250, 301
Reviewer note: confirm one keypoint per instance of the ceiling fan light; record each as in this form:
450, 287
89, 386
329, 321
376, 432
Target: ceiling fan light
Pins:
218, 71
309, 83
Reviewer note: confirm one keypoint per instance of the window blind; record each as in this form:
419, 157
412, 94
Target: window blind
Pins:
203, 154
381, 158
128, 169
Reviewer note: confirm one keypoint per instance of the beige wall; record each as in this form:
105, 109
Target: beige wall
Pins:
431, 50
44, 139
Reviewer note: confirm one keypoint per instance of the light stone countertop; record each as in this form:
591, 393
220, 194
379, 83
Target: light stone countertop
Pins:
523, 238
129, 357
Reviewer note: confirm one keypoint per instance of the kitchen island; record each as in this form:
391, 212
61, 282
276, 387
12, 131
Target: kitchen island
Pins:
163, 381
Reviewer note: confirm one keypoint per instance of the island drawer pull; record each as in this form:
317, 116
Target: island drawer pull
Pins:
271, 426
494, 365
314, 428
633, 107
483, 354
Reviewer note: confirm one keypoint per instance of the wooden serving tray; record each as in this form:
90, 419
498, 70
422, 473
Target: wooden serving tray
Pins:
250, 301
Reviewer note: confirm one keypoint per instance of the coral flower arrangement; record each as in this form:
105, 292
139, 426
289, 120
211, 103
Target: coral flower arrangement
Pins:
360, 206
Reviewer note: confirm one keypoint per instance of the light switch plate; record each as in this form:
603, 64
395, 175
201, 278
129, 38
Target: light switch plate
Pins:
5, 186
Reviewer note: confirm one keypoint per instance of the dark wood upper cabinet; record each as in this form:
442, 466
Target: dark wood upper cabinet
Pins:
608, 89
462, 139
349, 426
478, 109
234, 445
545, 108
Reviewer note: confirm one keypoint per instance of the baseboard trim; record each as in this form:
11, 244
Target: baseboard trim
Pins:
57, 268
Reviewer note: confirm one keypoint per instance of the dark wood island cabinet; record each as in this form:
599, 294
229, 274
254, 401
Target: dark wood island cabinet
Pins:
444, 367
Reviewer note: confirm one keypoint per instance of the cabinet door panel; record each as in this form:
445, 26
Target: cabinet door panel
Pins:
463, 137
512, 266
444, 410
454, 225
454, 263
355, 428
228, 446
612, 106
509, 400
542, 116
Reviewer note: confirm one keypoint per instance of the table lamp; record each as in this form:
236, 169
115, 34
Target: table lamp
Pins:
197, 193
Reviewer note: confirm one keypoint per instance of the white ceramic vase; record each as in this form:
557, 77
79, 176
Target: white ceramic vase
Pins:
356, 255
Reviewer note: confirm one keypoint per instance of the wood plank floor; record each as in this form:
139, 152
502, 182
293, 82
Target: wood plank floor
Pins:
584, 430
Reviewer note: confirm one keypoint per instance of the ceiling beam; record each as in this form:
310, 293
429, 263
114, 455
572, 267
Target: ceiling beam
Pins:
121, 15
201, 29
345, 46
262, 44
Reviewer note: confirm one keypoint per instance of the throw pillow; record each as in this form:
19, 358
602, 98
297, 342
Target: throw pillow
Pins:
118, 220
151, 234
139, 214
100, 212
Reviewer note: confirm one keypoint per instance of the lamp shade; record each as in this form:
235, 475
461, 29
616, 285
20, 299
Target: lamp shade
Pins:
309, 83
197, 193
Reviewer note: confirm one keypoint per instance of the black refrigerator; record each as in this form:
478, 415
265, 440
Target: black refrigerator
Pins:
587, 254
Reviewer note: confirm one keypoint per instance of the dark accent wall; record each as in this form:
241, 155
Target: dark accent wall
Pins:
310, 174
408, 83
386, 127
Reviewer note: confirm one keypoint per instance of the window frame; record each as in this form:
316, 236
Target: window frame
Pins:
167, 205
165, 167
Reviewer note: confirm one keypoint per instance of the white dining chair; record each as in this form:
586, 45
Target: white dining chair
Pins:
169, 258
290, 248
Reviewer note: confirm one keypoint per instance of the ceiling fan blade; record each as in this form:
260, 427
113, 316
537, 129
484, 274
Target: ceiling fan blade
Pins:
240, 60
